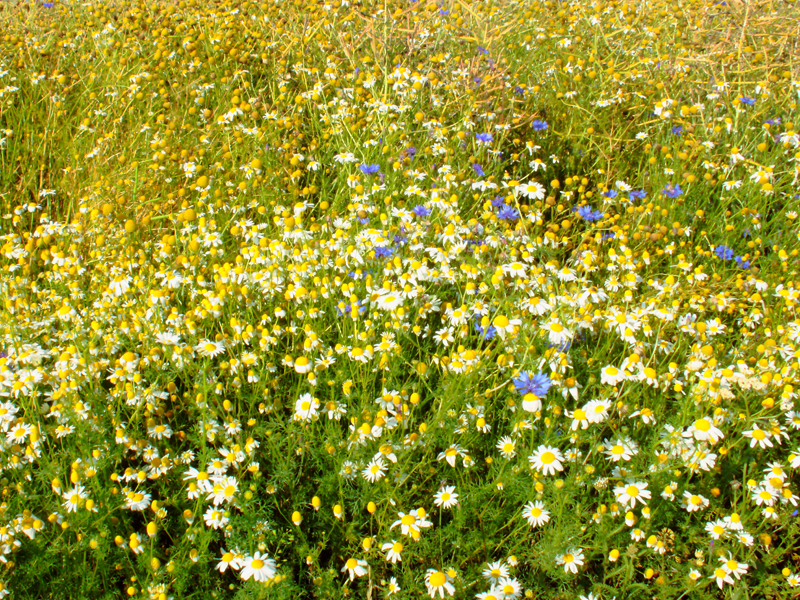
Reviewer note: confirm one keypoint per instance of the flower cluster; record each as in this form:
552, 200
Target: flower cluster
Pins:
288, 307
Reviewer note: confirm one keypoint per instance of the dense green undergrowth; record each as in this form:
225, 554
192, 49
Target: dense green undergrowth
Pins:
329, 300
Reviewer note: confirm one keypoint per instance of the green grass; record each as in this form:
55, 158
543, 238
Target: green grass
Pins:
307, 280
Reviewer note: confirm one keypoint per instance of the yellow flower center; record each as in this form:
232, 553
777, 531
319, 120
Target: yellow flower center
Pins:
437, 579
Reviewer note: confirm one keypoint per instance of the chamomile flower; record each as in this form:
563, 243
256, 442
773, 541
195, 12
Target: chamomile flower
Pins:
507, 447
716, 529
509, 588
631, 493
758, 437
535, 514
531, 190
258, 566
703, 429
611, 375
446, 497
411, 523
394, 550
733, 567
596, 410
571, 560
74, 498
229, 559
616, 450
557, 334
305, 408
439, 583
505, 326
495, 571
375, 470
209, 348
694, 502
392, 587
547, 459
721, 577
355, 568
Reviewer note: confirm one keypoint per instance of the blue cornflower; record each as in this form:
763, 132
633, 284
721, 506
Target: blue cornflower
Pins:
532, 384
773, 121
344, 309
482, 50
478, 169
672, 191
518, 91
369, 169
562, 347
610, 194
484, 137
497, 201
507, 213
587, 214
489, 333
747, 101
421, 211
723, 252
634, 194
743, 264
383, 252
538, 125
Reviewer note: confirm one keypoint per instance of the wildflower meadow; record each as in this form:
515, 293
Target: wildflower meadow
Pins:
403, 299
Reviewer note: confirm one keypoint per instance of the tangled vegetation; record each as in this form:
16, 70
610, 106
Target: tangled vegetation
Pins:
331, 299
